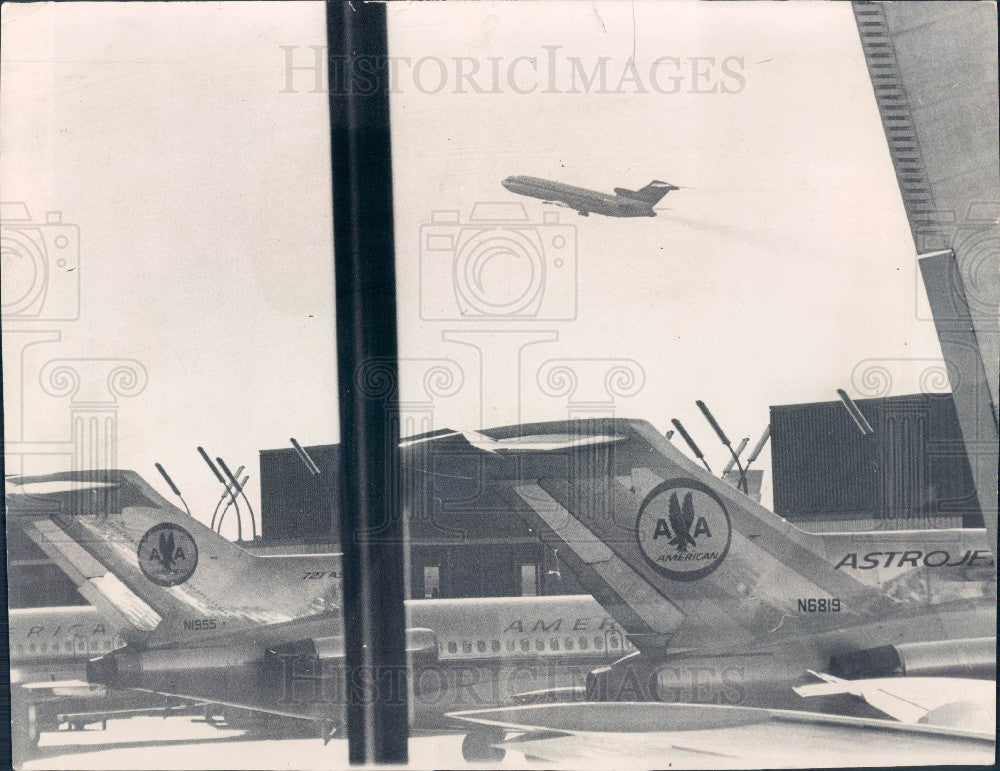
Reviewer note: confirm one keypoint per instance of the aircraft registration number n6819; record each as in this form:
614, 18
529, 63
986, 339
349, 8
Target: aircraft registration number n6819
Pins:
819, 605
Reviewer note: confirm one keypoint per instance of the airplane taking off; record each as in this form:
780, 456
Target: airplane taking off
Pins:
624, 203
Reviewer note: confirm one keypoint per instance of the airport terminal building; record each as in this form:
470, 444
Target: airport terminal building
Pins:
910, 472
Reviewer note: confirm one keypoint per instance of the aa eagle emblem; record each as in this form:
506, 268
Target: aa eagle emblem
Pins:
683, 529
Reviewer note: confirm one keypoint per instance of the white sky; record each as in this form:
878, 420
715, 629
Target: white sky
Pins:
202, 195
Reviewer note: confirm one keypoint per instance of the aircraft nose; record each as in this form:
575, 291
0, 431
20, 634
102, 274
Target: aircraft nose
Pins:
509, 182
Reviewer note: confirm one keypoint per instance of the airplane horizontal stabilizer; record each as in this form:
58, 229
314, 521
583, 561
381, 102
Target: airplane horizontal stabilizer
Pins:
99, 587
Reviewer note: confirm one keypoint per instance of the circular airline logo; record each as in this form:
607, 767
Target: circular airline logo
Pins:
683, 529
167, 554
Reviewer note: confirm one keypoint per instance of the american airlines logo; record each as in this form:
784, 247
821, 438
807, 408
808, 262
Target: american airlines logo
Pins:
683, 529
167, 554
682, 518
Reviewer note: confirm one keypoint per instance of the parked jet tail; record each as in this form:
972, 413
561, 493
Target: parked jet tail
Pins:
198, 582
680, 557
651, 193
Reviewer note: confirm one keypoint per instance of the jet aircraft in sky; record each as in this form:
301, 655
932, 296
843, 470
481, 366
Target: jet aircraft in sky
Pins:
624, 203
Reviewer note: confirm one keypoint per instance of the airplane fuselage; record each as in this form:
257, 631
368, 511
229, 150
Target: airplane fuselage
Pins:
49, 650
765, 676
579, 199
472, 652
57, 640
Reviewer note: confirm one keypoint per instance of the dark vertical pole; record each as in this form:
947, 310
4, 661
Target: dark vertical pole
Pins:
371, 526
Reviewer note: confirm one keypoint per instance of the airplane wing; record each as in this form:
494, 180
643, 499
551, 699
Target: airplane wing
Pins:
659, 734
951, 701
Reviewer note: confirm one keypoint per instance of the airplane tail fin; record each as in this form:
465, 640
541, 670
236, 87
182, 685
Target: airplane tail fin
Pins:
651, 193
114, 523
673, 553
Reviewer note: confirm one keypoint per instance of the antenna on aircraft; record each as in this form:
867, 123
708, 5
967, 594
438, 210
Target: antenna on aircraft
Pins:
174, 488
204, 455
243, 481
759, 446
739, 450
304, 457
669, 434
690, 443
725, 440
239, 490
855, 412
222, 498
232, 493
225, 491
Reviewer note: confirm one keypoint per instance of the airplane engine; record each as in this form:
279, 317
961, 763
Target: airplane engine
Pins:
421, 646
972, 657
134, 668
248, 672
